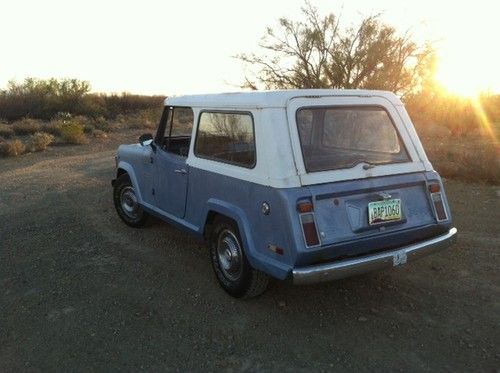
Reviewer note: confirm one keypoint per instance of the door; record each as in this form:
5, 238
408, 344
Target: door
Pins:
172, 178
172, 172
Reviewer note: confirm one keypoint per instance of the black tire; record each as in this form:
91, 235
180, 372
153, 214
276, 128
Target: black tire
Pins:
126, 203
230, 264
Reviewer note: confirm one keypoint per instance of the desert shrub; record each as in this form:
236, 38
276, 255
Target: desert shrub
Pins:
432, 131
46, 99
468, 158
103, 124
99, 134
40, 141
6, 130
72, 133
53, 127
82, 119
145, 119
88, 129
26, 126
12, 148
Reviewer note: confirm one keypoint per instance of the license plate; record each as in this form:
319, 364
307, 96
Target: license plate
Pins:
384, 211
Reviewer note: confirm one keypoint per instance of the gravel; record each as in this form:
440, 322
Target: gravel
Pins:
80, 291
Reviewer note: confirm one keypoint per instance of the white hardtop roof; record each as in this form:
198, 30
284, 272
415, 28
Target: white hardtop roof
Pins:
270, 99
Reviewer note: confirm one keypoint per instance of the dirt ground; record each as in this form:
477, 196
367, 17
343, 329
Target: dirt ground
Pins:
81, 291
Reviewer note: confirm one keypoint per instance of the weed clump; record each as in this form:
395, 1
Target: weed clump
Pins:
26, 126
12, 148
40, 141
73, 133
6, 130
99, 134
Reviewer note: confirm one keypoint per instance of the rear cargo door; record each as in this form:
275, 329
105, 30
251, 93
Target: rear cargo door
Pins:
357, 158
359, 170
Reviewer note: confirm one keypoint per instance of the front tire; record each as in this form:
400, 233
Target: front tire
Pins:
126, 203
230, 264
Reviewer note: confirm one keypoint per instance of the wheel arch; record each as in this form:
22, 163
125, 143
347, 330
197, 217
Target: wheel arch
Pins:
216, 208
126, 168
258, 260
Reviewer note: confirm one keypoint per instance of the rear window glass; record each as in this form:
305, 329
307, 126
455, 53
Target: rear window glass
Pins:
226, 137
342, 137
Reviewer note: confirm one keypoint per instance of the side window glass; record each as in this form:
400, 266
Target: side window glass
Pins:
178, 130
226, 137
182, 121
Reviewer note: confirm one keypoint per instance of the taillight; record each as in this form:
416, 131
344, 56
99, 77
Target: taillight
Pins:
305, 206
437, 201
434, 188
305, 209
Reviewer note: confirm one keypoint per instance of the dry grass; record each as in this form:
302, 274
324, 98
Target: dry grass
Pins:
12, 148
6, 130
147, 119
475, 157
53, 127
40, 141
29, 135
27, 126
471, 157
99, 134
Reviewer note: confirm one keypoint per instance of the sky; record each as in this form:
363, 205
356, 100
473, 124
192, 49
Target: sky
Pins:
182, 47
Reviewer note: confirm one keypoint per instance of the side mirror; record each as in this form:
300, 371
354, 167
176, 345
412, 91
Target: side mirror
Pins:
145, 138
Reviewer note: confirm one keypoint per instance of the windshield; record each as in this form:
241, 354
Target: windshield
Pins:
342, 137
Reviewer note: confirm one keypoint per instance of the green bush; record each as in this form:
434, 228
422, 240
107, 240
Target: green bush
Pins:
72, 133
12, 148
40, 141
26, 126
6, 130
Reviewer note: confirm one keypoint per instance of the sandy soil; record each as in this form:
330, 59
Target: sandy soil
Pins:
80, 291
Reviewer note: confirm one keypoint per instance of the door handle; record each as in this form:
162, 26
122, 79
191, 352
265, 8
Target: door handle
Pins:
180, 171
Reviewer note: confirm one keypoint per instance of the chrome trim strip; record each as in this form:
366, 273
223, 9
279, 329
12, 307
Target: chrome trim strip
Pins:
356, 266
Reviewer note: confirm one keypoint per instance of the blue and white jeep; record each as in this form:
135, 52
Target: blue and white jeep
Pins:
307, 185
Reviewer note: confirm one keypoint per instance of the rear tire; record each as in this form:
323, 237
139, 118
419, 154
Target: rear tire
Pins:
126, 203
230, 264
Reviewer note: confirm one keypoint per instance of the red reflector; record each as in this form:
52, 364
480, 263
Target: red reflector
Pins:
309, 229
305, 206
434, 188
275, 249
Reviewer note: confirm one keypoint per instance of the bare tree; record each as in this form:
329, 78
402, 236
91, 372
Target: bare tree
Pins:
317, 52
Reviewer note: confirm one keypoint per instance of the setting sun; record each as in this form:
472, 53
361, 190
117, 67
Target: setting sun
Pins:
467, 74
455, 80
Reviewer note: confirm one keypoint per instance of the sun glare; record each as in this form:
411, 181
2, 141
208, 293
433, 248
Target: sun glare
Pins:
456, 79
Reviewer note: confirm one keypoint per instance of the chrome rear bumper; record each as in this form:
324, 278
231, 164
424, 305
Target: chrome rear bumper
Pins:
356, 266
